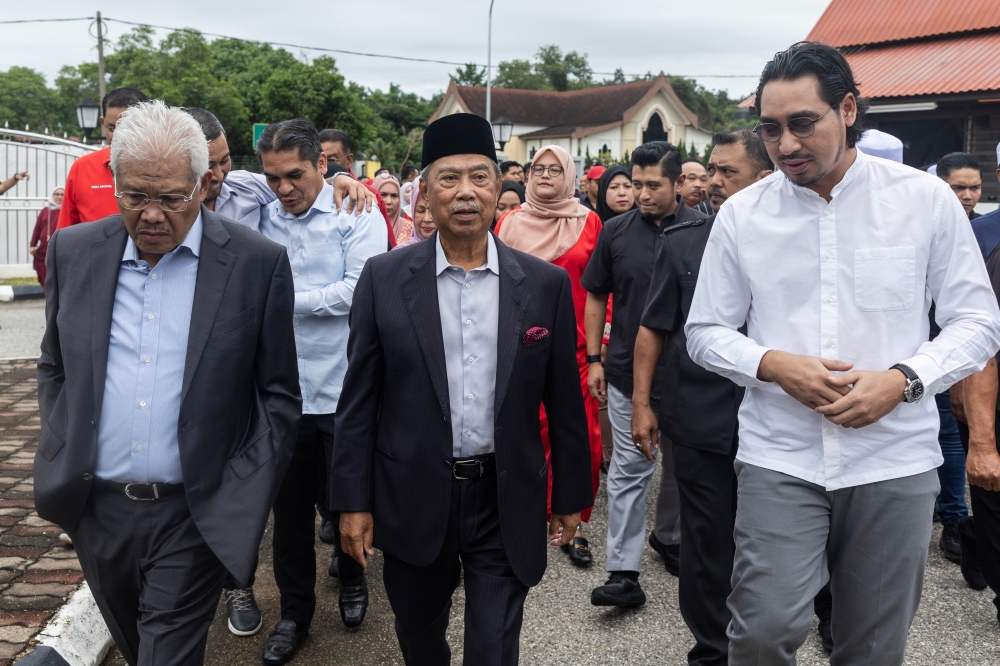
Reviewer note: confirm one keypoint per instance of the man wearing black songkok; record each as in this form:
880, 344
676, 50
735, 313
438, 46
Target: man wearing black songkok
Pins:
455, 344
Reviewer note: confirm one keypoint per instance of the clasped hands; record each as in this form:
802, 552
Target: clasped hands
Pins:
854, 399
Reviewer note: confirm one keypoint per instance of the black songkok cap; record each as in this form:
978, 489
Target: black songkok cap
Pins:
458, 134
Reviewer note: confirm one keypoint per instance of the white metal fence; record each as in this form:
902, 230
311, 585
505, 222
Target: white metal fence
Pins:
48, 160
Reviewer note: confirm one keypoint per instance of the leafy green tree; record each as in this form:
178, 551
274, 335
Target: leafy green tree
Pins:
26, 100
519, 74
551, 70
470, 75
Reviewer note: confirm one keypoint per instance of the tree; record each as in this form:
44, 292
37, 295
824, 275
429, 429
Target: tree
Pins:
470, 75
26, 100
551, 70
518, 74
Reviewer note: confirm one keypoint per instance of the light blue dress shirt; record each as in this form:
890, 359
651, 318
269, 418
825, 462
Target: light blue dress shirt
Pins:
327, 251
469, 304
242, 196
137, 433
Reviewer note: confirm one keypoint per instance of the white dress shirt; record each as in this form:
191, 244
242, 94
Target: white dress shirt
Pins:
469, 306
851, 280
327, 251
242, 196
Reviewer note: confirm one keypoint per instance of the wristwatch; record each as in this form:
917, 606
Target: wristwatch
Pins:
595, 358
914, 387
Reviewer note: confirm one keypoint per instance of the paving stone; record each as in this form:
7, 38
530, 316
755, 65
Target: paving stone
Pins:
61, 552
14, 540
43, 577
41, 589
28, 618
37, 521
17, 634
12, 562
32, 603
21, 551
46, 564
10, 650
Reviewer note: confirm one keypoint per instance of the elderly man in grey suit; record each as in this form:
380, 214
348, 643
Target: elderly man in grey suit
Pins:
168, 391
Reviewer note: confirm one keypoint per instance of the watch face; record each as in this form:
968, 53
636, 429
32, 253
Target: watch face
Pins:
914, 391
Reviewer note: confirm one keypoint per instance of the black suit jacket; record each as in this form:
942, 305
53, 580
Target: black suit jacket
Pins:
393, 430
240, 402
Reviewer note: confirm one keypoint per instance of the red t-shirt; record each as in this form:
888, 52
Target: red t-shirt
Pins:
90, 190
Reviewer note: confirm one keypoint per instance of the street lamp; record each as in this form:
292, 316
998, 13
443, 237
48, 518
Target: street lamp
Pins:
87, 113
489, 62
502, 127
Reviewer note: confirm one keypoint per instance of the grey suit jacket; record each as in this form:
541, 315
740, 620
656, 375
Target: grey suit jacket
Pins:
240, 401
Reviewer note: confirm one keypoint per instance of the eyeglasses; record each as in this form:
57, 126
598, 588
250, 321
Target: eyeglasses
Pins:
540, 169
800, 127
170, 203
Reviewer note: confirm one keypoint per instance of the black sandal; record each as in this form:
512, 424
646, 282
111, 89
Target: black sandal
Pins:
579, 552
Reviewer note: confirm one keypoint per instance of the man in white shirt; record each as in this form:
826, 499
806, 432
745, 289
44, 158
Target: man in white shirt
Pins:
832, 264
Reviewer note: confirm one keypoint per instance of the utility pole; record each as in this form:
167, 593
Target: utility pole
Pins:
101, 85
489, 55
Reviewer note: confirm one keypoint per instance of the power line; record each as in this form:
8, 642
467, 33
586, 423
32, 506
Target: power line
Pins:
346, 52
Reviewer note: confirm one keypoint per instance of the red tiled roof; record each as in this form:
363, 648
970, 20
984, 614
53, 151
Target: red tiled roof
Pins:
857, 22
955, 65
590, 106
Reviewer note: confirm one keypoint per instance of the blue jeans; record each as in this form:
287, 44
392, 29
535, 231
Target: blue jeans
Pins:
951, 500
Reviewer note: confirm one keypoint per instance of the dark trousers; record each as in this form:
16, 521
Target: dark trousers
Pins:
706, 482
986, 525
155, 579
295, 522
494, 597
951, 506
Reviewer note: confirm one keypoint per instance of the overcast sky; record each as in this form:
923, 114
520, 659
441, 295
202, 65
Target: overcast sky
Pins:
724, 37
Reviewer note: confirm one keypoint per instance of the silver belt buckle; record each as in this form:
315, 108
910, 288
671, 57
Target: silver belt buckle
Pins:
478, 463
156, 492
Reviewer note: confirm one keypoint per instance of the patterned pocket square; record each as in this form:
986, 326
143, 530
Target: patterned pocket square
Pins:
534, 335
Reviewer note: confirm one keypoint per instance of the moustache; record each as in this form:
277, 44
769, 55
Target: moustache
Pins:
794, 156
466, 208
717, 192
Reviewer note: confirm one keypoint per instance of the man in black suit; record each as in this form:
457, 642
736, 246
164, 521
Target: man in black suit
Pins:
168, 391
455, 344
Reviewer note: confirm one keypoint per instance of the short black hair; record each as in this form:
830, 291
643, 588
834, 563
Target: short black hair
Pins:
288, 134
954, 162
334, 135
508, 165
122, 98
752, 144
688, 160
830, 68
210, 125
663, 153
407, 170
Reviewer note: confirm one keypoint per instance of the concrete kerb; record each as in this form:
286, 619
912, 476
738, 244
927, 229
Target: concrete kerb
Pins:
75, 636
20, 292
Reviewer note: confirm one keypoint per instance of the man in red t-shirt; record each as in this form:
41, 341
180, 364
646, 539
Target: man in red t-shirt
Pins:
90, 190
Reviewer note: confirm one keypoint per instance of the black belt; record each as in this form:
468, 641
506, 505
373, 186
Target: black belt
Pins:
472, 468
140, 492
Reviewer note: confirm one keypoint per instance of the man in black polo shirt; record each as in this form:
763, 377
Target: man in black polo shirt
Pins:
697, 408
621, 265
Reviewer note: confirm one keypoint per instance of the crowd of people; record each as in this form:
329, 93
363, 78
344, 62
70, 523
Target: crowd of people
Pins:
423, 360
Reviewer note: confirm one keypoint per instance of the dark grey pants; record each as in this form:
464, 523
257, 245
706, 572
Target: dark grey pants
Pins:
793, 536
155, 579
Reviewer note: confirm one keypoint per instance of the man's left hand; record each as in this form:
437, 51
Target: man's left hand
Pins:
873, 395
562, 529
357, 195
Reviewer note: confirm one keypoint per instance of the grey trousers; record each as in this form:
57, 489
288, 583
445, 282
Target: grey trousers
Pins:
629, 477
793, 536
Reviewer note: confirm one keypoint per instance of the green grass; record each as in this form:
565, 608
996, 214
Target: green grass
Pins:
18, 282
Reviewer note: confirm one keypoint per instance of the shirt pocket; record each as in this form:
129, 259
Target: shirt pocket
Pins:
884, 278
325, 263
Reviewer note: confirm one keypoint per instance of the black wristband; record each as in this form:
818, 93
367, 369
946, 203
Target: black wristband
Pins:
596, 358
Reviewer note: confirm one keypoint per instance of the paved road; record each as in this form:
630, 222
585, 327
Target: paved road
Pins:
22, 324
955, 625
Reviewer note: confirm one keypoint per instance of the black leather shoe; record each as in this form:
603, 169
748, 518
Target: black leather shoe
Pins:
671, 554
619, 591
826, 635
579, 552
283, 642
950, 543
334, 569
971, 571
327, 531
353, 602
244, 615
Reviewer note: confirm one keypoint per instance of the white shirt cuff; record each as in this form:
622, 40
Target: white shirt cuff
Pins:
749, 363
928, 372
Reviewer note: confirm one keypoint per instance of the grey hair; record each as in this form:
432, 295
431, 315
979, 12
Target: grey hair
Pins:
154, 132
425, 172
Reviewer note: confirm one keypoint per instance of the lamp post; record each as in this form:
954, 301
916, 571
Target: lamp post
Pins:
501, 130
87, 113
489, 62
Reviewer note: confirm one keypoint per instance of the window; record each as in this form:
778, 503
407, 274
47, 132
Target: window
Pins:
654, 130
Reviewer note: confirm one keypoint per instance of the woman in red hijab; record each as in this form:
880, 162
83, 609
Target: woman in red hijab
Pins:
44, 226
553, 225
